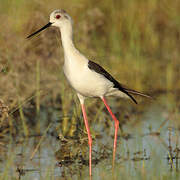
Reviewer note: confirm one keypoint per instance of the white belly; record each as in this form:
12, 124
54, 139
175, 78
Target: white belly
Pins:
87, 82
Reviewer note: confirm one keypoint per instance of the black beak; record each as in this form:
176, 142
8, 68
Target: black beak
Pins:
46, 26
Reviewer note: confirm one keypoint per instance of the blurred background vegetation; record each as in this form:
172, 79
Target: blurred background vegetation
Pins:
137, 41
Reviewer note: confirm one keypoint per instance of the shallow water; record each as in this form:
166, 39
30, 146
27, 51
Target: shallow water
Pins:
148, 147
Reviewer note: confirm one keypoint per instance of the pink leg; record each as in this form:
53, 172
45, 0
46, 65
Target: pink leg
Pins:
89, 136
116, 123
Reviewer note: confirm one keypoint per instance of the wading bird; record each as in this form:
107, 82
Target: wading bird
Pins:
86, 77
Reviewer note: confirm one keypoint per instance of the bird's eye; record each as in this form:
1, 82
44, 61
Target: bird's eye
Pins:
58, 16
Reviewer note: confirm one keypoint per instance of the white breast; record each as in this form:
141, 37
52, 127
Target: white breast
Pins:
84, 80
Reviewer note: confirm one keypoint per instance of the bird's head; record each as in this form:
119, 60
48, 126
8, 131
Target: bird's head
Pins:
58, 18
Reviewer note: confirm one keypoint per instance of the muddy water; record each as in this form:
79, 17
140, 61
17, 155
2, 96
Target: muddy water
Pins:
147, 145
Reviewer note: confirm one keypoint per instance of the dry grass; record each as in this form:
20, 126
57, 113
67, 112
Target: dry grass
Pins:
137, 42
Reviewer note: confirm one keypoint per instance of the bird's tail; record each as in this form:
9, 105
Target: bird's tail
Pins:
133, 92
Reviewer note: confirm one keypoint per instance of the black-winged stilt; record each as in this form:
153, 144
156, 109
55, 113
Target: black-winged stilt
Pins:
86, 77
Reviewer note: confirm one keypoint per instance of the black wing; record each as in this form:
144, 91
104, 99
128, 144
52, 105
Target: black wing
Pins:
97, 68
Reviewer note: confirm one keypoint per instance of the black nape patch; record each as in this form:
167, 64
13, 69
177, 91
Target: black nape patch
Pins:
66, 17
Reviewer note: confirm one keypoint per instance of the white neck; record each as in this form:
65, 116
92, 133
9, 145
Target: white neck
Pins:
71, 54
67, 39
